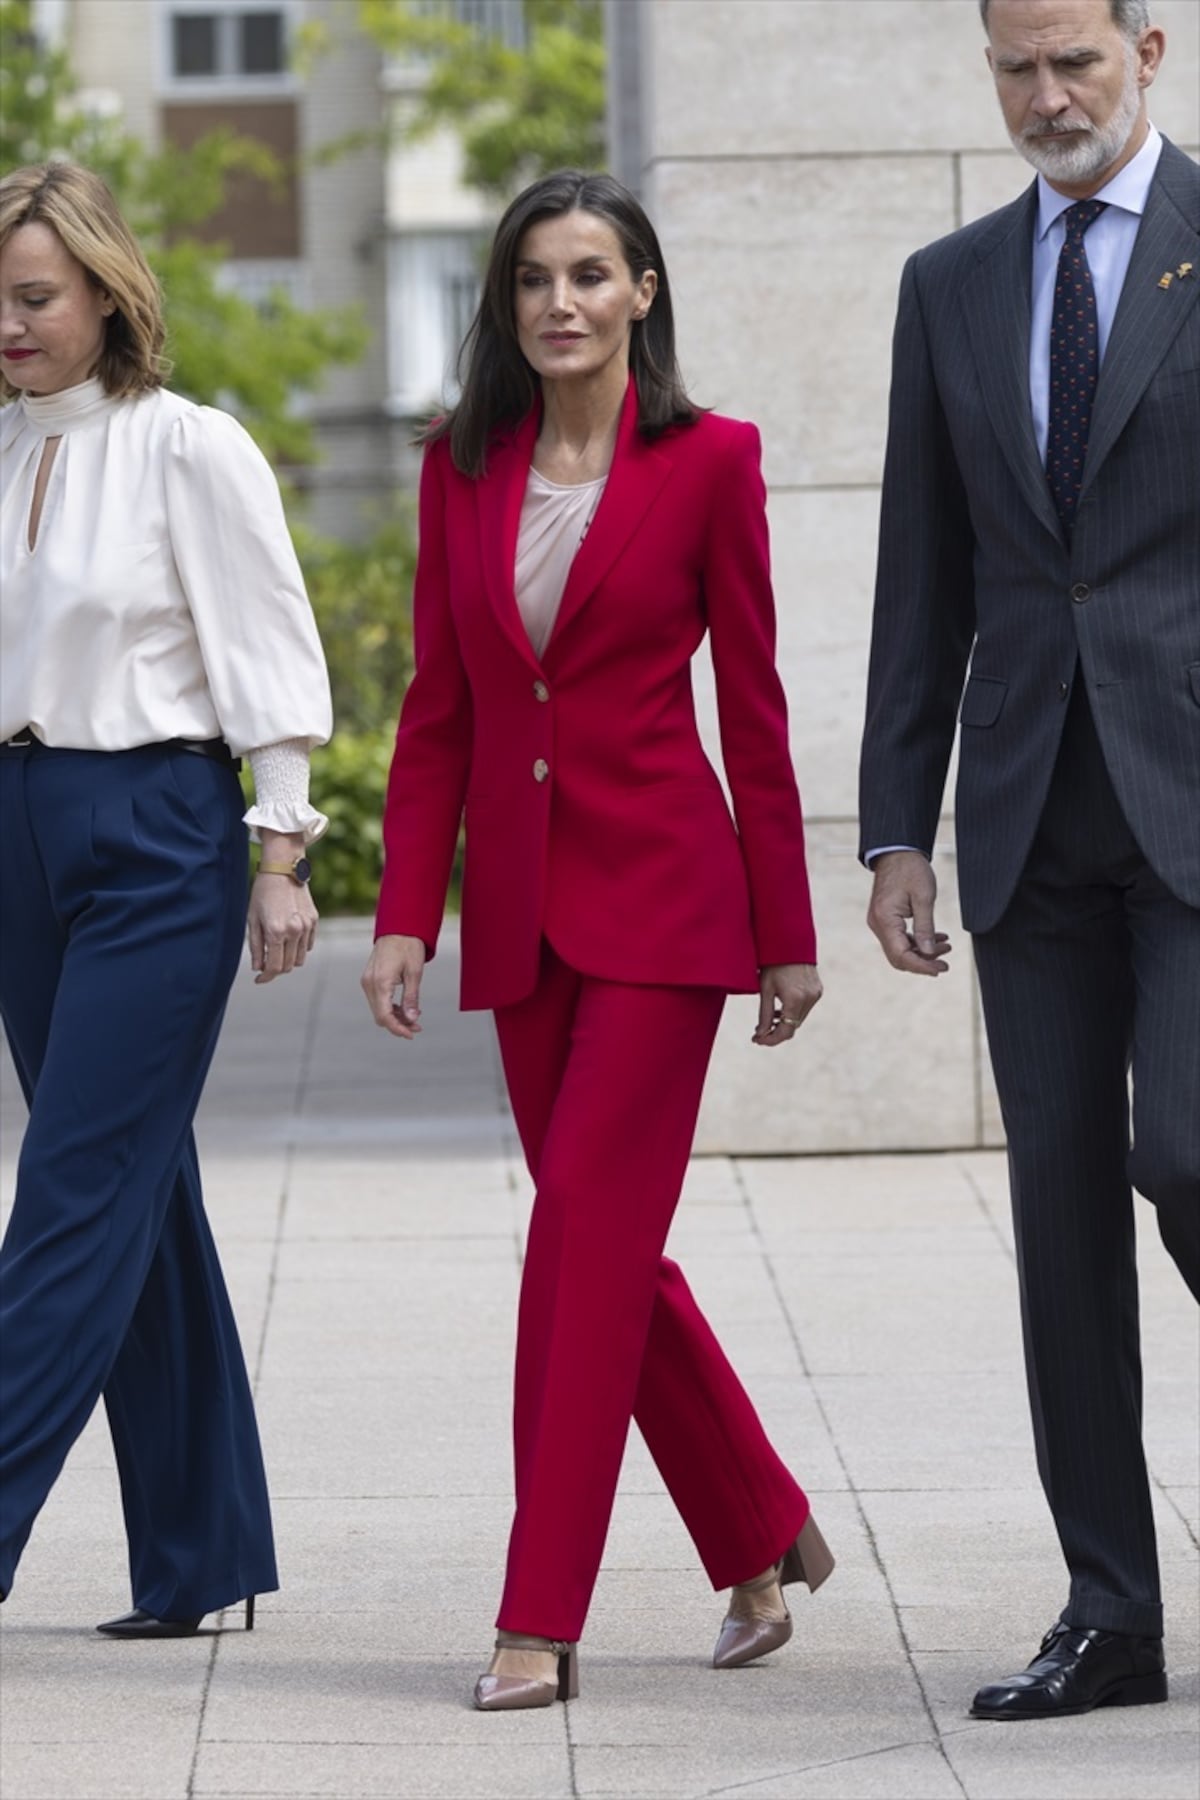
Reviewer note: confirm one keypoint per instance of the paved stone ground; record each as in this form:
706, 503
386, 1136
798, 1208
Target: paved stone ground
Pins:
370, 1204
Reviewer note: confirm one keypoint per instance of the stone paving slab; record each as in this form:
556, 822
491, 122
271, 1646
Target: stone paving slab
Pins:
435, 1770
370, 1202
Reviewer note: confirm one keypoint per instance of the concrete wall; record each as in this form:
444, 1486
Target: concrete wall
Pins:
343, 228
792, 154
117, 48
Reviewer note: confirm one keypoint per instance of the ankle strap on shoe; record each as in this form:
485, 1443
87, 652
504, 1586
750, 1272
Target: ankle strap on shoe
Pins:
761, 1583
515, 1640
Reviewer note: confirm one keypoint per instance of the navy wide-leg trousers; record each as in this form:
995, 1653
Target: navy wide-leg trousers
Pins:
122, 910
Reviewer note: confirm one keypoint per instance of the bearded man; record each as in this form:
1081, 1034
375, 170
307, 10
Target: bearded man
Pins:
1041, 521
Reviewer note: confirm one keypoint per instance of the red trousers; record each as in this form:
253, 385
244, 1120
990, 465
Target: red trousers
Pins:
605, 1082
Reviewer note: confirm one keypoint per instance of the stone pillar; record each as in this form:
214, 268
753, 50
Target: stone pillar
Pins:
792, 154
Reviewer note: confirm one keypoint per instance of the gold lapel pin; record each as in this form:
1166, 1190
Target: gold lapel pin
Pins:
1165, 279
1183, 269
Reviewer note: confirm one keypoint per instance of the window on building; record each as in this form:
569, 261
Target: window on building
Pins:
262, 43
226, 41
433, 290
504, 19
194, 44
259, 280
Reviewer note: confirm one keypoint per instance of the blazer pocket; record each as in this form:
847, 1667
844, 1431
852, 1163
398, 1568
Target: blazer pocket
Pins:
1194, 678
982, 699
1175, 384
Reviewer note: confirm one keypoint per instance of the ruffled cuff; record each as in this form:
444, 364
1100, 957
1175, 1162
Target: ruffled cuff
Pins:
281, 791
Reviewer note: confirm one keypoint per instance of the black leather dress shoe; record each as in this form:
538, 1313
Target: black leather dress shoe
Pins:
1075, 1671
139, 1624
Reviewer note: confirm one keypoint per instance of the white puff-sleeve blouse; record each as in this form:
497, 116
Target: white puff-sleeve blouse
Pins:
161, 597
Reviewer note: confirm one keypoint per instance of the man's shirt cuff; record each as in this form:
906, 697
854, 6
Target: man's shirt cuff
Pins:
886, 849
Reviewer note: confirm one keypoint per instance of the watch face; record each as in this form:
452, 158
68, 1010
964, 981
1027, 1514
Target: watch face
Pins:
302, 870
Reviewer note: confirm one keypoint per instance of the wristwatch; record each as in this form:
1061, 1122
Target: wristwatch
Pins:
300, 870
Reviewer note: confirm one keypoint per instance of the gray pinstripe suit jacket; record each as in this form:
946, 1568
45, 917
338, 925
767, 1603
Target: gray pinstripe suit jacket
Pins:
973, 563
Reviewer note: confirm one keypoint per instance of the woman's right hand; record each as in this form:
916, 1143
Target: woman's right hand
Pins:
392, 983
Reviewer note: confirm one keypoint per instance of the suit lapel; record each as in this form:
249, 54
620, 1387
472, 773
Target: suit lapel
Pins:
498, 498
637, 473
996, 300
1148, 317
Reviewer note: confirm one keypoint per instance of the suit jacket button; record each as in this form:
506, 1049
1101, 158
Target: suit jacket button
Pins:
1064, 688
540, 691
1081, 592
541, 769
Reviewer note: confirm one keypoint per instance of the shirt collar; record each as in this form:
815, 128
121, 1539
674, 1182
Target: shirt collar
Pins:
1128, 189
52, 414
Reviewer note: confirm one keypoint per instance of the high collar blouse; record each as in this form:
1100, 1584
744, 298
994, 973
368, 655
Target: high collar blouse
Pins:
161, 596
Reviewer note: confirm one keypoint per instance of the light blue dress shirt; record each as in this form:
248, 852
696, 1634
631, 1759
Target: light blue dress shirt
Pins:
1109, 247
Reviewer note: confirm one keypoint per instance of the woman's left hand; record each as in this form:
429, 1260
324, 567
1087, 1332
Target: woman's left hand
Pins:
282, 923
787, 994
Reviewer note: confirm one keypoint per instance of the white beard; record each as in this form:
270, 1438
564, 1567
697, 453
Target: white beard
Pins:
1091, 148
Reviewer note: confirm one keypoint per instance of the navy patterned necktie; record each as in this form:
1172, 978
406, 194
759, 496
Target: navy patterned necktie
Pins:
1074, 363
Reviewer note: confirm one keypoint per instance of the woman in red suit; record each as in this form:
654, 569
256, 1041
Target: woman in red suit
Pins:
582, 525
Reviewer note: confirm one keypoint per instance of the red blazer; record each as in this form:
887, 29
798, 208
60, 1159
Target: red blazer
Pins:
593, 816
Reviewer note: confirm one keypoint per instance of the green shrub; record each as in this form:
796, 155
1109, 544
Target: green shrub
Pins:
349, 781
362, 597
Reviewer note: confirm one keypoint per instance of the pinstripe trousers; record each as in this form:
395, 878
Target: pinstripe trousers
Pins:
1094, 969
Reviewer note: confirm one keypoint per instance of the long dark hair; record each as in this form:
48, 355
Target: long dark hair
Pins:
498, 385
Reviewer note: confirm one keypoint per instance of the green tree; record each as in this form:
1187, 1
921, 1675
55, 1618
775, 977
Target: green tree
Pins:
253, 360
360, 593
518, 112
224, 349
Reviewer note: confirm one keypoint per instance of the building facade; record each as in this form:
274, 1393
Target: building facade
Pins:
383, 224
793, 153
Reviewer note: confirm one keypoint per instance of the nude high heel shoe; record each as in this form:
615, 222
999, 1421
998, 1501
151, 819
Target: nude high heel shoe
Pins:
512, 1693
743, 1640
809, 1559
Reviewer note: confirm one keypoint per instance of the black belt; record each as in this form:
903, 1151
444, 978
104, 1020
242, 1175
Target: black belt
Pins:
216, 748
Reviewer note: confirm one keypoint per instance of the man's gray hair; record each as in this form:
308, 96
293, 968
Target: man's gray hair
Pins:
1129, 16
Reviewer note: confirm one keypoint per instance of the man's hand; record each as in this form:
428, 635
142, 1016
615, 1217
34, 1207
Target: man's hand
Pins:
905, 889
395, 967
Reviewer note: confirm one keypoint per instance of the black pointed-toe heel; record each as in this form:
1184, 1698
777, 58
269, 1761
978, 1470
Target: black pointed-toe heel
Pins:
140, 1624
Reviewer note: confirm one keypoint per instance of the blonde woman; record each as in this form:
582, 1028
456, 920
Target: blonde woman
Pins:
153, 628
